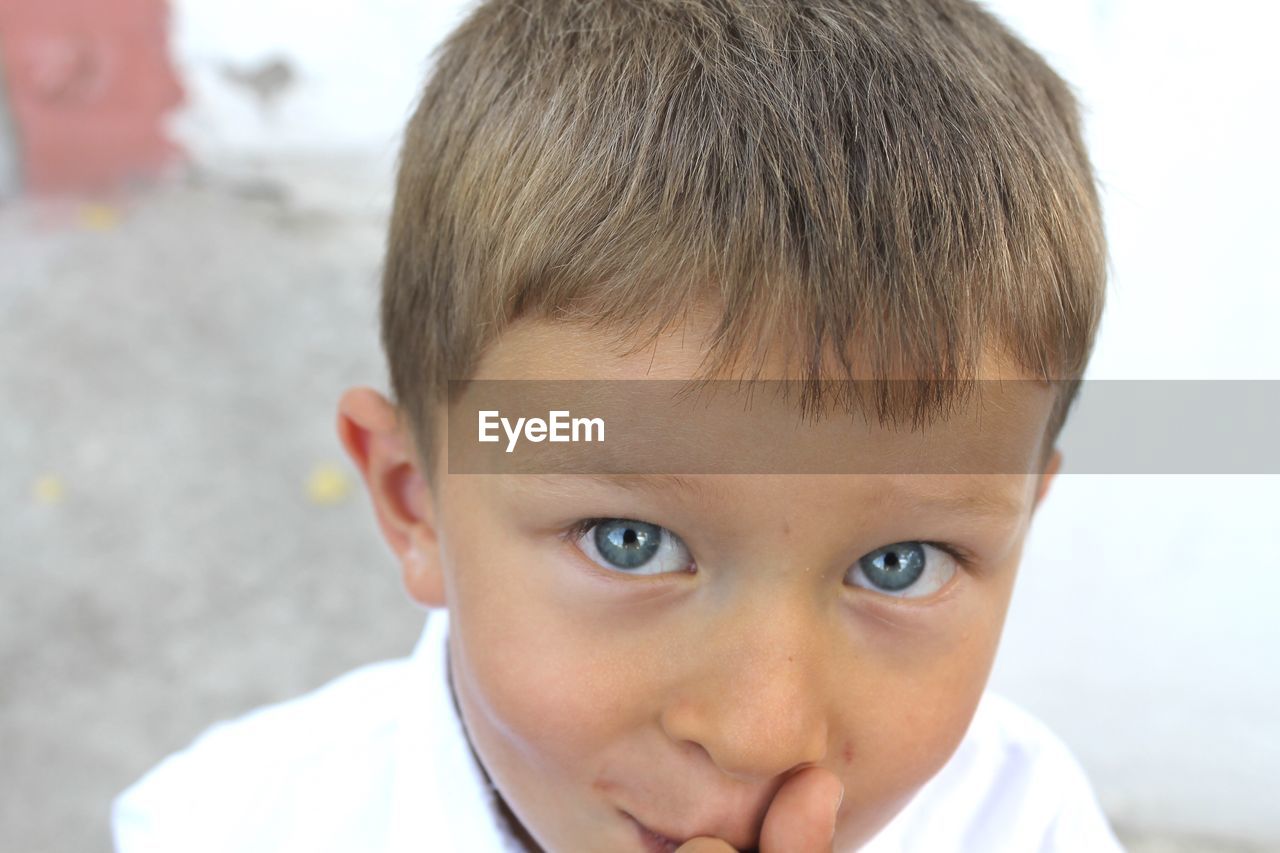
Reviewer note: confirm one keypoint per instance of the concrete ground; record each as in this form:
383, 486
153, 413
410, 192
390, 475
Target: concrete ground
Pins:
181, 537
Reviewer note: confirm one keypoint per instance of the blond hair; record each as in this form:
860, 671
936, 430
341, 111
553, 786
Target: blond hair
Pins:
897, 183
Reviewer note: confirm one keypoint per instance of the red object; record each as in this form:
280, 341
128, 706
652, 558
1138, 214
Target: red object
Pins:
89, 83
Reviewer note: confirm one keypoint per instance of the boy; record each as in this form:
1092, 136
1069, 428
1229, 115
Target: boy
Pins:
635, 653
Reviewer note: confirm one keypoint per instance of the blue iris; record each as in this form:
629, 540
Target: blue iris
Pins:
627, 544
894, 567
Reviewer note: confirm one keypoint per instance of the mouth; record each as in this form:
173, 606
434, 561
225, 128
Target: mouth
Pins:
656, 842
653, 842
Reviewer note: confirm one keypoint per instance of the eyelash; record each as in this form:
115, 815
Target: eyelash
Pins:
580, 528
960, 555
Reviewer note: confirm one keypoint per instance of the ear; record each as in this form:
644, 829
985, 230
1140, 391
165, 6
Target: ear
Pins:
377, 442
1046, 477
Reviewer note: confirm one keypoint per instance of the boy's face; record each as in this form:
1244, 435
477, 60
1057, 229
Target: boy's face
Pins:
676, 662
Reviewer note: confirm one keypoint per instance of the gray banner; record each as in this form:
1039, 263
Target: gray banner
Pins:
904, 427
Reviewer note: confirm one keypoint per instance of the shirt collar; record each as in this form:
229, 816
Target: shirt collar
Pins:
440, 798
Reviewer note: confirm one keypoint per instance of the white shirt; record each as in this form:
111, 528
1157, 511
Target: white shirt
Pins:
377, 761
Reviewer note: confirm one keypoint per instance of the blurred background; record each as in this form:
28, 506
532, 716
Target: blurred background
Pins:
193, 198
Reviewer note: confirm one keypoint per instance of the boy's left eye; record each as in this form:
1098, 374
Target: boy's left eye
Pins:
905, 569
633, 547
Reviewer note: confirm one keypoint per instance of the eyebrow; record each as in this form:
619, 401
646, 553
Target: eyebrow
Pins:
996, 506
975, 504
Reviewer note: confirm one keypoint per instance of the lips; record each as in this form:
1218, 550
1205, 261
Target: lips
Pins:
654, 842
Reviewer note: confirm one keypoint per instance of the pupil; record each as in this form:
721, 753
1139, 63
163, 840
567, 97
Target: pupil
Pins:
629, 537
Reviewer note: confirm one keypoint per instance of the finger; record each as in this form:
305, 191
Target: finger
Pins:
802, 816
705, 844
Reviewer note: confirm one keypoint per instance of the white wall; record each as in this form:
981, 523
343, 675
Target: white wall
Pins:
1143, 626
357, 68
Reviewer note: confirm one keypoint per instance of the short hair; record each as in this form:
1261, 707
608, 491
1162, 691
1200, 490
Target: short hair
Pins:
897, 183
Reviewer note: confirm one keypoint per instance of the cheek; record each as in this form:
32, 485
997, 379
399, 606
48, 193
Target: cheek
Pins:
907, 712
886, 761
541, 691
914, 723
537, 689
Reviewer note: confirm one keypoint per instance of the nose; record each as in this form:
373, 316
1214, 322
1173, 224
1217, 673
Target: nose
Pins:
754, 700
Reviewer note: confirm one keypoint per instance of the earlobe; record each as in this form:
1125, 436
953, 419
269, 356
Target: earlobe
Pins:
374, 438
422, 574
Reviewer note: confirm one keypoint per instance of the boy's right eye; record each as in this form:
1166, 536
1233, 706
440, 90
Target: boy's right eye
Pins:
633, 547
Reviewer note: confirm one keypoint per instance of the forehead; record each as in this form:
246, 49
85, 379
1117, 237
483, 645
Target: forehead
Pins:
985, 498
668, 424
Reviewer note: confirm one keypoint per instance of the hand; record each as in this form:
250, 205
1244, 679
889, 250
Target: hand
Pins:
801, 818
